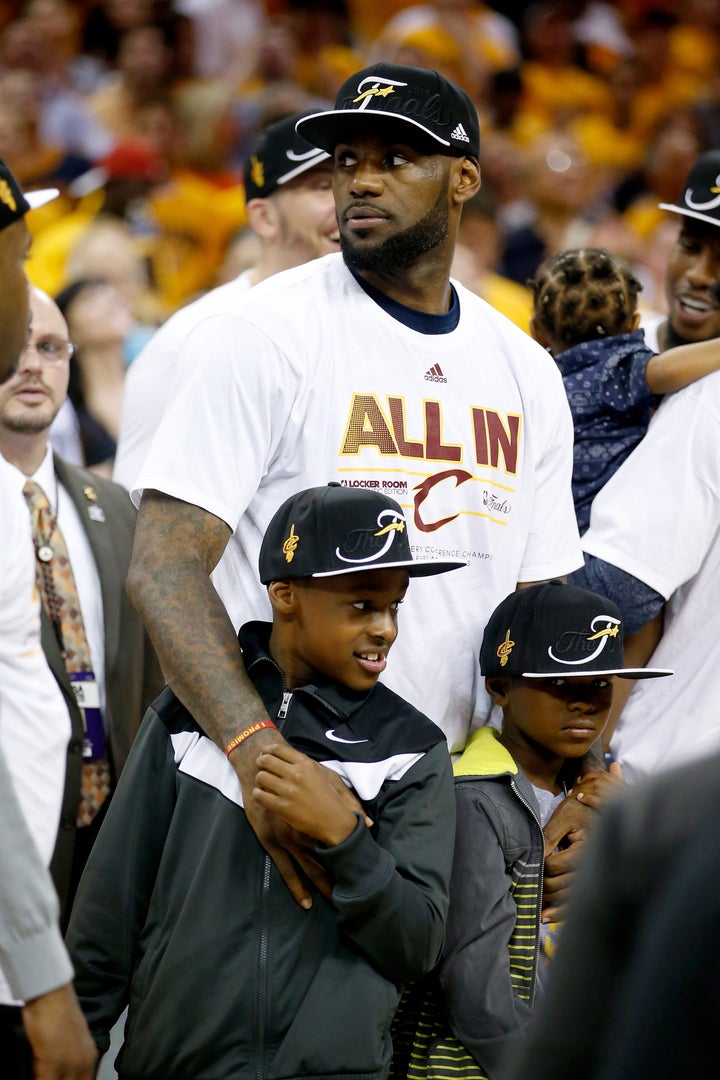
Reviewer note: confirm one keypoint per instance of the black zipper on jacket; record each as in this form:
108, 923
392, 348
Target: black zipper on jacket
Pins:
265, 924
262, 983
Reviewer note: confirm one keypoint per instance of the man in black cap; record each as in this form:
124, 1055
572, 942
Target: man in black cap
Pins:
48, 1036
288, 194
373, 369
692, 283
652, 545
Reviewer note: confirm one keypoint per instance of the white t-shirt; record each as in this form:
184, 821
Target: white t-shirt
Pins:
34, 721
658, 518
152, 375
309, 380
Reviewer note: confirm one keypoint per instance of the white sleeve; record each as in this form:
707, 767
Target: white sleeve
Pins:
553, 545
657, 517
225, 421
32, 956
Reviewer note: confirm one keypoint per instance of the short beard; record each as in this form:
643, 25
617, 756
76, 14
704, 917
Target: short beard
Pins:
402, 249
26, 425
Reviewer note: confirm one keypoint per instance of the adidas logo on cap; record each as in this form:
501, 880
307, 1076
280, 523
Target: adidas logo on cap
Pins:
460, 133
434, 374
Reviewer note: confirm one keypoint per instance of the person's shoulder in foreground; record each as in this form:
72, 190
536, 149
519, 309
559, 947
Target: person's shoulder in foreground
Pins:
549, 655
32, 953
635, 969
336, 563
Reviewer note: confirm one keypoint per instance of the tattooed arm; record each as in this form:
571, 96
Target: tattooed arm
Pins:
177, 546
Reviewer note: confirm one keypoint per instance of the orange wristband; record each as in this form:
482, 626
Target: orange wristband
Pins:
252, 730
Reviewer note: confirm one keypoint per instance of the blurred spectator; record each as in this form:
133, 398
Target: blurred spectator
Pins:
99, 319
477, 254
64, 120
555, 88
113, 197
226, 34
668, 160
108, 249
661, 86
142, 75
202, 205
563, 190
33, 159
324, 52
466, 41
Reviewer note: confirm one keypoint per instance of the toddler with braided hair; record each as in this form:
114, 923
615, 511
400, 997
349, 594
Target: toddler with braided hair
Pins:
585, 314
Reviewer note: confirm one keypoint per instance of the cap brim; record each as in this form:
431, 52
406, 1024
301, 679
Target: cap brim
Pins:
414, 567
622, 673
690, 213
327, 129
39, 198
302, 167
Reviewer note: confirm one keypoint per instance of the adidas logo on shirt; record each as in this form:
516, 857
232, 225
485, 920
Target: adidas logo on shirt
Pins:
460, 133
434, 374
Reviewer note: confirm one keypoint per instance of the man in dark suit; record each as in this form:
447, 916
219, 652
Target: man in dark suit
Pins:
97, 521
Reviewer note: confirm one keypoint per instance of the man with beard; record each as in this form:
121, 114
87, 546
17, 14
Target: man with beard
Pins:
94, 520
372, 369
652, 545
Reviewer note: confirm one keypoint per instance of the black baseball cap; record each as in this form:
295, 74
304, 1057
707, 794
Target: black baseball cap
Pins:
700, 198
415, 101
280, 155
553, 629
14, 204
327, 531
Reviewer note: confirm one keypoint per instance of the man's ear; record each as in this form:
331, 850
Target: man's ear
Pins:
496, 686
263, 218
467, 179
282, 596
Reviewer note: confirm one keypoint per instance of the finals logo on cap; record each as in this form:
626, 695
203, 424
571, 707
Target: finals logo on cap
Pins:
418, 104
333, 530
700, 198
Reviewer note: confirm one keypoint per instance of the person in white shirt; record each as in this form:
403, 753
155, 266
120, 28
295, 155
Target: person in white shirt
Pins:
47, 1035
652, 545
97, 522
372, 369
288, 192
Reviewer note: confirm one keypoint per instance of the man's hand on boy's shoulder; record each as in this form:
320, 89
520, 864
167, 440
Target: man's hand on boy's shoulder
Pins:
286, 846
567, 830
302, 793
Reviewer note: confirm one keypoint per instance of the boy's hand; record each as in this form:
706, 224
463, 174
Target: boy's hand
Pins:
284, 844
567, 829
62, 1048
299, 790
593, 788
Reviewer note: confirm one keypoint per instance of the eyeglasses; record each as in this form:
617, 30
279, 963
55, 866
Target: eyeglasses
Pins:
52, 350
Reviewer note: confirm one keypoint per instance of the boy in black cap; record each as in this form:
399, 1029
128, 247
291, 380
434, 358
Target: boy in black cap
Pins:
549, 655
179, 903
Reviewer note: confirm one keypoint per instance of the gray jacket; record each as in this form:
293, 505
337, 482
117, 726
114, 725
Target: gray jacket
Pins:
488, 972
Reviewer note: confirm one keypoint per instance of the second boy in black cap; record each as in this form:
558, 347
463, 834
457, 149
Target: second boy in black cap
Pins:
178, 883
549, 655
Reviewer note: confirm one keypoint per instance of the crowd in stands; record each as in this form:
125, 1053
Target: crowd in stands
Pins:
142, 113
